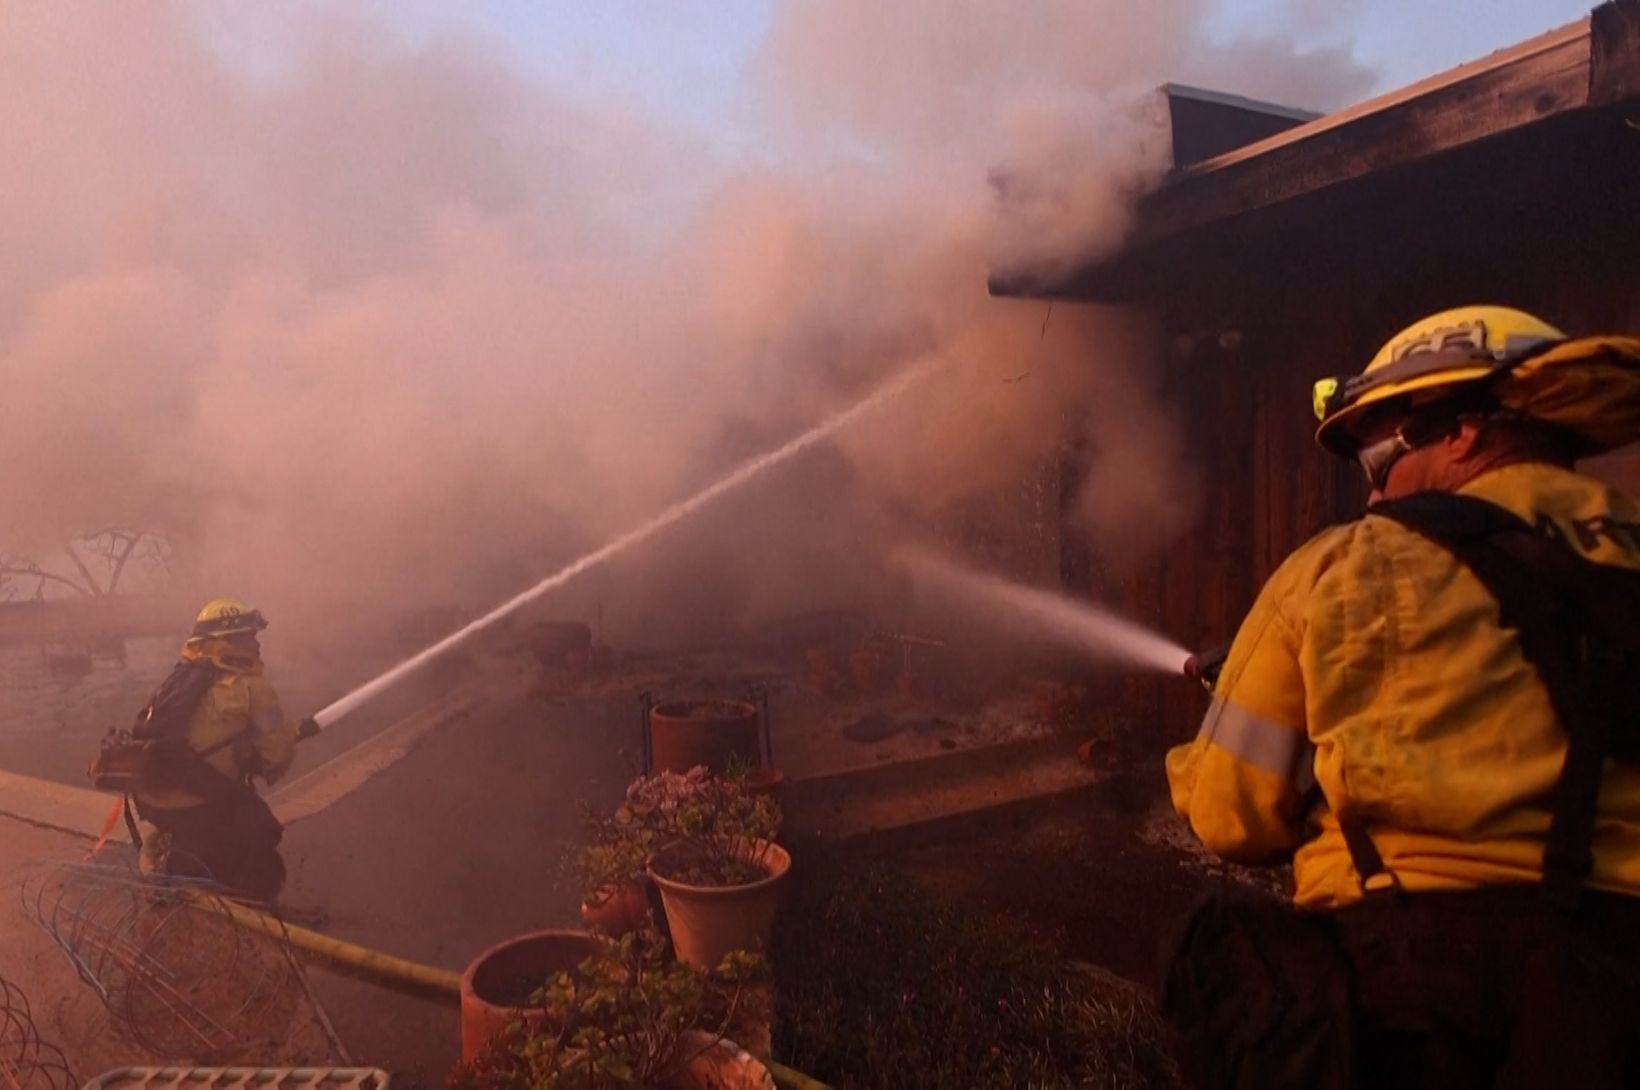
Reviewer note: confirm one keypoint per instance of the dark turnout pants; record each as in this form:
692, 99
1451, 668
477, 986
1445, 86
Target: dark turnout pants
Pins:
1492, 988
232, 840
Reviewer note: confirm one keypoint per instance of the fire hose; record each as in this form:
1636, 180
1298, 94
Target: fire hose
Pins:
373, 963
427, 979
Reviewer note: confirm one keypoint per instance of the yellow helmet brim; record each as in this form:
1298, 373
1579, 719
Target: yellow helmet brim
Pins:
1335, 433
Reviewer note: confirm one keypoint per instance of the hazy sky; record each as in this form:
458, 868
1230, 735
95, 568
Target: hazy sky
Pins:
686, 55
1406, 40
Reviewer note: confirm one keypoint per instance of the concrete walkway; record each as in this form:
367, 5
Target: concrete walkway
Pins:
74, 810
455, 847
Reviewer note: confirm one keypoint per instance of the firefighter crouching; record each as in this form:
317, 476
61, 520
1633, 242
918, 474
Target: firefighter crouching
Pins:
1434, 713
189, 762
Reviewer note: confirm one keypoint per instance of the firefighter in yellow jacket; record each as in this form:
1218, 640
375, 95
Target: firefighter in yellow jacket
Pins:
202, 814
1378, 725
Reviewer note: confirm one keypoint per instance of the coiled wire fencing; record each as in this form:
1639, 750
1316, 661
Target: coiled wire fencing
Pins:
26, 1061
179, 978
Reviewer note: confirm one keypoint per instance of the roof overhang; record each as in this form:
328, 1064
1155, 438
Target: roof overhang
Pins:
1584, 66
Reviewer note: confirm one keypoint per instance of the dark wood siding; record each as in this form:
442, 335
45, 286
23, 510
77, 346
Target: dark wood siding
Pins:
1546, 218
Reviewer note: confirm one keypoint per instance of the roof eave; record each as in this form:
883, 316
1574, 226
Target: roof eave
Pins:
1592, 62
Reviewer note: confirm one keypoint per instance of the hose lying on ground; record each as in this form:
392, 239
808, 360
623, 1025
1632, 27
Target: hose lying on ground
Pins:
403, 972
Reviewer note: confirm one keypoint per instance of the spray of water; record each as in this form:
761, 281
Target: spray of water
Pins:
674, 514
1078, 625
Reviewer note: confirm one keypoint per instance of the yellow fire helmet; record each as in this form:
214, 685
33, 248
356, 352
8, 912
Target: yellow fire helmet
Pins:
226, 616
1589, 386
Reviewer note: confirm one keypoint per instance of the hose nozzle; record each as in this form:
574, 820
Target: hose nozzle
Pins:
1203, 667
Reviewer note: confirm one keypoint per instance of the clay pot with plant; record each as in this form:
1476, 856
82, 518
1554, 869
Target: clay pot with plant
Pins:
612, 863
872, 665
626, 1017
760, 781
714, 733
720, 872
611, 867
499, 984
719, 897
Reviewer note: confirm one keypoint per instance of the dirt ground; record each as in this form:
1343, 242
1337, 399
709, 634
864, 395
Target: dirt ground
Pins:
1105, 880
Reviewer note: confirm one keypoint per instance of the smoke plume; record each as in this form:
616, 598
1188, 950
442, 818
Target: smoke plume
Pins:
390, 323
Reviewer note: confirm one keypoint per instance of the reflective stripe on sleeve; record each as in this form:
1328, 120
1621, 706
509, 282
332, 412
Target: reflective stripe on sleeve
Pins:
1264, 743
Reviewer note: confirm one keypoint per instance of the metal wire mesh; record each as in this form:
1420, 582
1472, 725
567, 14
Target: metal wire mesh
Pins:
179, 978
27, 1062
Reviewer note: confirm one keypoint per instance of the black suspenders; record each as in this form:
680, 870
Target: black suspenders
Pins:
1579, 624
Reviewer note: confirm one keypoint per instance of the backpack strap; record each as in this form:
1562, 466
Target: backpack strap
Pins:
166, 715
1569, 615
225, 743
1452, 526
131, 822
1364, 855
163, 722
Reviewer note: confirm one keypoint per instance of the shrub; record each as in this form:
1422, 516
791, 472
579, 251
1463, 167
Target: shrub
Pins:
882, 984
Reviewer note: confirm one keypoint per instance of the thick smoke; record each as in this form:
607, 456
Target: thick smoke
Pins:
388, 324
1055, 94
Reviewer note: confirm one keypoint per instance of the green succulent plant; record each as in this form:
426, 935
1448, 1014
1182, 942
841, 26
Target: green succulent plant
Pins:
626, 1018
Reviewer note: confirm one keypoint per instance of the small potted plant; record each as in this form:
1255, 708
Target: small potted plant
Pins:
627, 1017
611, 868
687, 832
720, 871
612, 862
759, 780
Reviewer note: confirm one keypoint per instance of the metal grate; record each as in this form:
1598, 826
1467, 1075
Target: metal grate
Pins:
242, 1078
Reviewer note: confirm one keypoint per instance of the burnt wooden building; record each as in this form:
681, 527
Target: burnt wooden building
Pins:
1514, 179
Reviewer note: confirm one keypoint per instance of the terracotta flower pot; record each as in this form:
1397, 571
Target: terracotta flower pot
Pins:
766, 782
714, 1063
496, 988
872, 669
714, 733
769, 783
617, 910
708, 922
825, 676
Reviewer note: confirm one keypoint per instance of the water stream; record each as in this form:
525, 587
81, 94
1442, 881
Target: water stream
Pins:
674, 514
1078, 625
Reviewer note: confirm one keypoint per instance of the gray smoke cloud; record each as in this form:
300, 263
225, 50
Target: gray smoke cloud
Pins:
392, 324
